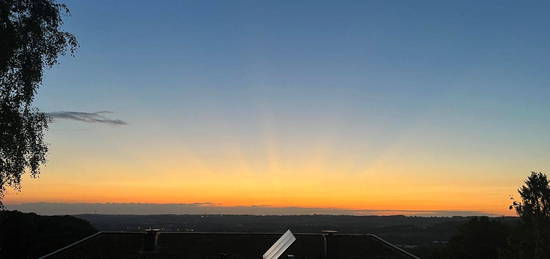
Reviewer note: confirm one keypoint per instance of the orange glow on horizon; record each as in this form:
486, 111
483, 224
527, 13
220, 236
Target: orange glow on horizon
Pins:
254, 190
316, 178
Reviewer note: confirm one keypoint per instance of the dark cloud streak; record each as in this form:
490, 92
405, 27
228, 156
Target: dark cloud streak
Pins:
89, 117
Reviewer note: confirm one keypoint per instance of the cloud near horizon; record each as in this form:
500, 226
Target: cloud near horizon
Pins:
89, 117
47, 208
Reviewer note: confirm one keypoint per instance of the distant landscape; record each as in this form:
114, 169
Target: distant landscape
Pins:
200, 208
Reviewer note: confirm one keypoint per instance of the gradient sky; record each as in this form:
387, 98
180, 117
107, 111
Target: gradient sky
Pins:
361, 105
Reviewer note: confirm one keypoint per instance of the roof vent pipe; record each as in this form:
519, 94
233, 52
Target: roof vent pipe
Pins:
150, 240
330, 244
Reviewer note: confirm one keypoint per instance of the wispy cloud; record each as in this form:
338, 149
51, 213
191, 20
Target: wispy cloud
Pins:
89, 117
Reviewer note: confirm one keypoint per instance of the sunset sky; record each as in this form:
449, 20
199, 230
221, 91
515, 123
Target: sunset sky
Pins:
352, 105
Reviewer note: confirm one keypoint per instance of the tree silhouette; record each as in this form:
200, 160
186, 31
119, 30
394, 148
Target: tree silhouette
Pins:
532, 238
479, 237
27, 235
31, 40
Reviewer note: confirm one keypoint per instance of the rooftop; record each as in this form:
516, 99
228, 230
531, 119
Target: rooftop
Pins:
228, 245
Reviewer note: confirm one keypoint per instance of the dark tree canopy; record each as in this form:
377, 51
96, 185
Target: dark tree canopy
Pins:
532, 239
31, 40
27, 235
535, 198
479, 237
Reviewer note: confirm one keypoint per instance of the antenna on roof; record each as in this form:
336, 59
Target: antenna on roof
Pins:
280, 246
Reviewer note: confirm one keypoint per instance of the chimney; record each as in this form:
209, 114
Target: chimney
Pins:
331, 244
150, 240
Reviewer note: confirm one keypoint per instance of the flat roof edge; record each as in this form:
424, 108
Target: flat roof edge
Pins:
394, 246
384, 242
71, 245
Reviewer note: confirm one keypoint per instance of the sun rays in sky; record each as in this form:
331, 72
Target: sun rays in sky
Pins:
394, 106
276, 167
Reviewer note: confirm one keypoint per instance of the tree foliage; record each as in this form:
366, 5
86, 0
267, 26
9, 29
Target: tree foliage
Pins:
480, 237
535, 198
27, 235
31, 40
532, 238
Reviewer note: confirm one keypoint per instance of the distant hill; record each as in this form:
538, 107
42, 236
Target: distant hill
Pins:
28, 235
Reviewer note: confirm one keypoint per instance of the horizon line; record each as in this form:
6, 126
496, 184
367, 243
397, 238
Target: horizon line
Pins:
209, 208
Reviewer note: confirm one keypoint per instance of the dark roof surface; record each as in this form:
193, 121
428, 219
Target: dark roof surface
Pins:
193, 245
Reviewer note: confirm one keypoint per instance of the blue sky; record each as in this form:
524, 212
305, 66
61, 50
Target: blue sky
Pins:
450, 84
